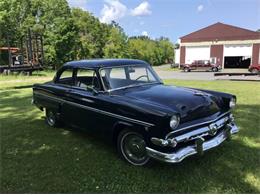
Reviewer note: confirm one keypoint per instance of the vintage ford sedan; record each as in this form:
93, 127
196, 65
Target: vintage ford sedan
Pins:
126, 102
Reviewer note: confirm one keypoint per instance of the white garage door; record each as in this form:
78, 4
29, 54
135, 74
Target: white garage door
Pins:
238, 50
197, 53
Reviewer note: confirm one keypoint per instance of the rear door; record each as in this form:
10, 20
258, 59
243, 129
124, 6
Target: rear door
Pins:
63, 83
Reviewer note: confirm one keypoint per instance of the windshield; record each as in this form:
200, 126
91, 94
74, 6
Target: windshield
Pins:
128, 76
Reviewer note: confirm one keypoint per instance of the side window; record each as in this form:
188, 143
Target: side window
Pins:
141, 74
138, 73
66, 77
87, 79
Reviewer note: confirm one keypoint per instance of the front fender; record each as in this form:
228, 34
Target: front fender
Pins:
222, 98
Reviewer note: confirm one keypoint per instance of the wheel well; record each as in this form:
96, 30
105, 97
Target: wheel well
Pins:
120, 126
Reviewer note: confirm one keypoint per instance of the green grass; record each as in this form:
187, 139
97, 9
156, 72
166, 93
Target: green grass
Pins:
167, 67
38, 159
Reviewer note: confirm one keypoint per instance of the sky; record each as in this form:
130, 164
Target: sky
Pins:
172, 18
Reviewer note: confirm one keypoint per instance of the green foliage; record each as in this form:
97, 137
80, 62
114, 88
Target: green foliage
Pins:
91, 33
50, 18
72, 34
156, 52
116, 45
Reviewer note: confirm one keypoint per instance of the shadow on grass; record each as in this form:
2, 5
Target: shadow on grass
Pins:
40, 159
19, 87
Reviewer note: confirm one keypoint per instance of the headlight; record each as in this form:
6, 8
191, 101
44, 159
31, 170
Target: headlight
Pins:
232, 103
174, 122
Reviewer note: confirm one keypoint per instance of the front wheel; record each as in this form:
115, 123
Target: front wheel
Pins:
215, 69
132, 147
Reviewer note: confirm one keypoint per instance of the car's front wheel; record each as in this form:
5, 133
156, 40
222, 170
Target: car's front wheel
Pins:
132, 147
51, 118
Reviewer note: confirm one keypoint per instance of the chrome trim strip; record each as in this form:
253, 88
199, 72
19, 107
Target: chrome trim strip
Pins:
195, 125
182, 153
98, 111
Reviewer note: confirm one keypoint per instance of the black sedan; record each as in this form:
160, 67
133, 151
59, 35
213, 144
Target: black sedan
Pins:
126, 102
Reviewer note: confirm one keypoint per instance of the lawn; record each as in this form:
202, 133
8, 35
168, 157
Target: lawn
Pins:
38, 159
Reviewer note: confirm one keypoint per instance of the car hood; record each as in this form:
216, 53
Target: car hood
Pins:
189, 103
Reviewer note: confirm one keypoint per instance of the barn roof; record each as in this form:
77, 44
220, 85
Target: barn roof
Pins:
220, 32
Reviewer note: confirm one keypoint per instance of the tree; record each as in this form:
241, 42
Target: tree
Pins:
71, 34
116, 45
92, 34
51, 18
156, 52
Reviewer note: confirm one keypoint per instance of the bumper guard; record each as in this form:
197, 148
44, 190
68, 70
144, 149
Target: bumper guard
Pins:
198, 148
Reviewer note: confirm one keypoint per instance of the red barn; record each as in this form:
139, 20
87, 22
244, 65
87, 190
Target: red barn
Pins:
229, 46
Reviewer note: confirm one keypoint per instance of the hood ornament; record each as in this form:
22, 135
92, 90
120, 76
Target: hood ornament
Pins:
199, 94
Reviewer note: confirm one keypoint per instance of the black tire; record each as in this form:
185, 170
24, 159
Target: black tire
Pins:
131, 147
254, 70
215, 69
186, 69
51, 118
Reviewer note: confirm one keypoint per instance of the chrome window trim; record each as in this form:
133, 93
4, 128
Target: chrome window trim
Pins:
98, 111
198, 124
110, 90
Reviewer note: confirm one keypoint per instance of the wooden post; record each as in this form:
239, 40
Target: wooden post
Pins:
37, 50
42, 52
22, 51
30, 46
27, 50
9, 52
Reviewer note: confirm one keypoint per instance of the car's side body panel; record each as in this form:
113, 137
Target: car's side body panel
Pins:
201, 65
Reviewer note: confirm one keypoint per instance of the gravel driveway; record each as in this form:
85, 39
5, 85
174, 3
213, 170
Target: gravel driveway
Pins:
185, 75
165, 73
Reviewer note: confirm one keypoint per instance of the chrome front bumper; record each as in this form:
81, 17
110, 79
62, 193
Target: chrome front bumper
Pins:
197, 148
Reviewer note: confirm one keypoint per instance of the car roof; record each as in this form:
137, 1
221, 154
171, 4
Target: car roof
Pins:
99, 63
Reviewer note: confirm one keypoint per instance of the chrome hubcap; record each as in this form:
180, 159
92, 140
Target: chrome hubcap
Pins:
50, 118
133, 148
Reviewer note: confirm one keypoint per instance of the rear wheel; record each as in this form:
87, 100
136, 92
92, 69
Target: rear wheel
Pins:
51, 118
254, 70
186, 69
132, 147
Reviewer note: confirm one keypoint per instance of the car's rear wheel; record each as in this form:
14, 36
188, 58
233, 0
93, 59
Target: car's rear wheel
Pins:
254, 70
51, 118
186, 69
132, 147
